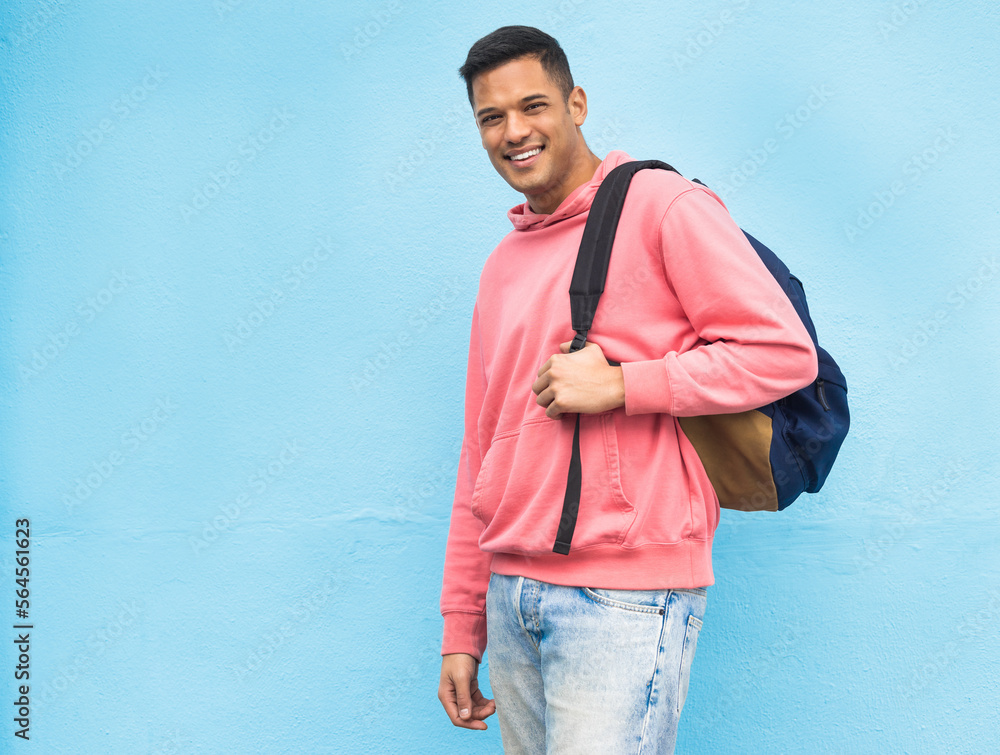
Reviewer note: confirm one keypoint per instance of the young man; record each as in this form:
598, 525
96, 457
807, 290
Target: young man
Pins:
591, 651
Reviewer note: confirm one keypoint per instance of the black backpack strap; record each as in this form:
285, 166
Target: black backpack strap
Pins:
585, 291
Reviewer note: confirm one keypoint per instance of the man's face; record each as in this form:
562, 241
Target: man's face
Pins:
519, 110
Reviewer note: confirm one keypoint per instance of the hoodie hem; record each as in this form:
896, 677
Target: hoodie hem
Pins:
686, 564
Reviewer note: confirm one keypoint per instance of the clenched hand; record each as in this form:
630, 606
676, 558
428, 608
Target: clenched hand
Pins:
582, 382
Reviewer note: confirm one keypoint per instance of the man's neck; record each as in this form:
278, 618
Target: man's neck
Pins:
581, 177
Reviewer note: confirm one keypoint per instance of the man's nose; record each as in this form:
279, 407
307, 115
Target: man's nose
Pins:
517, 128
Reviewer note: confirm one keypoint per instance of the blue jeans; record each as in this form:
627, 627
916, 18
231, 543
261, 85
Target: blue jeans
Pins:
589, 670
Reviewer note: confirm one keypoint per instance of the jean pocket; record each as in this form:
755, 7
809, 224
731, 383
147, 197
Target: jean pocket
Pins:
687, 655
641, 601
522, 483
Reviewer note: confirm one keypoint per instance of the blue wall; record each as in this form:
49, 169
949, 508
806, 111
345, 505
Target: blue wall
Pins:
240, 247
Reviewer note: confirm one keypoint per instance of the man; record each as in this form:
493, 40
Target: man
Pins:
591, 651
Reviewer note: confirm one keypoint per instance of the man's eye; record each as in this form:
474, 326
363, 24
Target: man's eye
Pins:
488, 117
536, 104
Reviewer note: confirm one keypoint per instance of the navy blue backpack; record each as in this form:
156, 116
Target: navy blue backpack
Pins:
758, 460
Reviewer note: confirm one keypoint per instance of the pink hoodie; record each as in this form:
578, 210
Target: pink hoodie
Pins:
700, 327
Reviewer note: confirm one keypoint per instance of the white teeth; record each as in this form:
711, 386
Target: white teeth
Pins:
526, 155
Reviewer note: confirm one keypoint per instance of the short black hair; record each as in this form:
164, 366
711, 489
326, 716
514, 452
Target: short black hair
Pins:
511, 42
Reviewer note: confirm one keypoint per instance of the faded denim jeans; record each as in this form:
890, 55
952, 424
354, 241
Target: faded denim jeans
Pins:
577, 670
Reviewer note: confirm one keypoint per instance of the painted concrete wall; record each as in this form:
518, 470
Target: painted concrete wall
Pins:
240, 248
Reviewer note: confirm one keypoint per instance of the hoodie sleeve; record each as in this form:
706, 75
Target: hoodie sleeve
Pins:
758, 350
466, 567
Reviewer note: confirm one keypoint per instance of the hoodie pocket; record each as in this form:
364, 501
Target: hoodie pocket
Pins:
522, 482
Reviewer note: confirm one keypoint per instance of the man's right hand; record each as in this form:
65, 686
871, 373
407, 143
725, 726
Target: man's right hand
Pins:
459, 690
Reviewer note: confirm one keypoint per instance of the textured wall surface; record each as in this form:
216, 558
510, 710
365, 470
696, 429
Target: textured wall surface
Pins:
240, 247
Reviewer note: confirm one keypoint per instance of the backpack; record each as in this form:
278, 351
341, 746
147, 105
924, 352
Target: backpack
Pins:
758, 460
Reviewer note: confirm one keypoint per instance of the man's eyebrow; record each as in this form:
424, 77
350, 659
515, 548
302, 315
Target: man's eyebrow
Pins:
523, 100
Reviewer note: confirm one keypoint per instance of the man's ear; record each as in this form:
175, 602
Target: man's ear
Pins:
577, 105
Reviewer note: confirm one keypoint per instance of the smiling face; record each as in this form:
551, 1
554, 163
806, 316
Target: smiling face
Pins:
531, 134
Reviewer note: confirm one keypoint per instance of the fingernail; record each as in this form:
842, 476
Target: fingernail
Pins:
464, 712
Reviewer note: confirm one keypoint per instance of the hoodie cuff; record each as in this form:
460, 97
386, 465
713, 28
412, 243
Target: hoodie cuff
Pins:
647, 387
464, 632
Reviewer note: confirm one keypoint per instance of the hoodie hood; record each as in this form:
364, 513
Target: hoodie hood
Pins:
579, 200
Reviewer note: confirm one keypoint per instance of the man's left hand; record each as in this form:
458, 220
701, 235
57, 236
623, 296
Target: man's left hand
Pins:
582, 382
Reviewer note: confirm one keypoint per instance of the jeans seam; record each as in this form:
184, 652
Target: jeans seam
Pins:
660, 651
518, 589
536, 614
516, 601
698, 623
